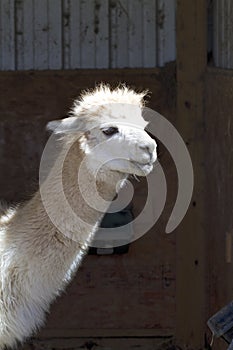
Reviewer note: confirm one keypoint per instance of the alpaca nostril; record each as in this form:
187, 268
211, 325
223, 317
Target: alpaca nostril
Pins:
151, 150
148, 148
145, 148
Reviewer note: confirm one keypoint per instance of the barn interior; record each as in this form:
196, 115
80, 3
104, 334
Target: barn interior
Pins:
158, 292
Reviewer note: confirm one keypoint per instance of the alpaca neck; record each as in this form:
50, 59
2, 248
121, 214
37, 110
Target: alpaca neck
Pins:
45, 229
38, 258
74, 197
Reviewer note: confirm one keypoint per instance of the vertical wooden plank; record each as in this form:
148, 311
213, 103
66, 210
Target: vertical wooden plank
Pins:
28, 35
135, 33
228, 32
101, 30
66, 33
170, 31
75, 53
112, 35
224, 28
19, 47
229, 35
219, 165
7, 41
1, 36
228, 248
119, 23
54, 34
230, 29
215, 32
160, 32
166, 10
123, 20
41, 28
222, 34
191, 65
87, 42
149, 33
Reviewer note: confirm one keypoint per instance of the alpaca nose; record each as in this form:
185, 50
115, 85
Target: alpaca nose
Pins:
145, 148
149, 147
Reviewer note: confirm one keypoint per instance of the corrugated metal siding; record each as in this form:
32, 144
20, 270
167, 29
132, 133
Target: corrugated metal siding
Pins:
69, 34
222, 33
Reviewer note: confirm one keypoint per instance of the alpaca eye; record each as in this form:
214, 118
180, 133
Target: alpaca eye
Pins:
110, 131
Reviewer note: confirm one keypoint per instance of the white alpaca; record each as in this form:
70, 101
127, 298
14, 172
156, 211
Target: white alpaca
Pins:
37, 259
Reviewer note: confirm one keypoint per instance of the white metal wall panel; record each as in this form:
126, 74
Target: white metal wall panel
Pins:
222, 33
70, 34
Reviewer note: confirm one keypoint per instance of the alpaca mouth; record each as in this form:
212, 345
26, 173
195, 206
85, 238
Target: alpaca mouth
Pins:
145, 167
140, 164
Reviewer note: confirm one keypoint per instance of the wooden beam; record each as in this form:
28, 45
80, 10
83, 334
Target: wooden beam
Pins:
191, 65
219, 165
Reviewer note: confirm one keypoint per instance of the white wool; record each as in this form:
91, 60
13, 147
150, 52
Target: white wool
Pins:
36, 259
103, 95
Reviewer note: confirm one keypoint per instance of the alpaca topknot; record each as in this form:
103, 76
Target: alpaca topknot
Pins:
103, 95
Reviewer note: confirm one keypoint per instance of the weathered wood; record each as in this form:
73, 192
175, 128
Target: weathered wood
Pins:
54, 34
149, 34
119, 18
191, 278
66, 21
166, 18
7, 35
41, 29
101, 31
74, 23
71, 34
28, 36
219, 171
222, 33
69, 333
135, 31
87, 37
101, 343
19, 35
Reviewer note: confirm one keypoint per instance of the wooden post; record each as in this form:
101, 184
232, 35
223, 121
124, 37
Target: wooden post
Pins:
191, 65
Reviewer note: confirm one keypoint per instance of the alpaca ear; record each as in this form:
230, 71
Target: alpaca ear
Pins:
66, 125
53, 125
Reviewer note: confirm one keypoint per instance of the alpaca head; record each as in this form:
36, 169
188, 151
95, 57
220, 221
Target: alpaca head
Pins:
110, 128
